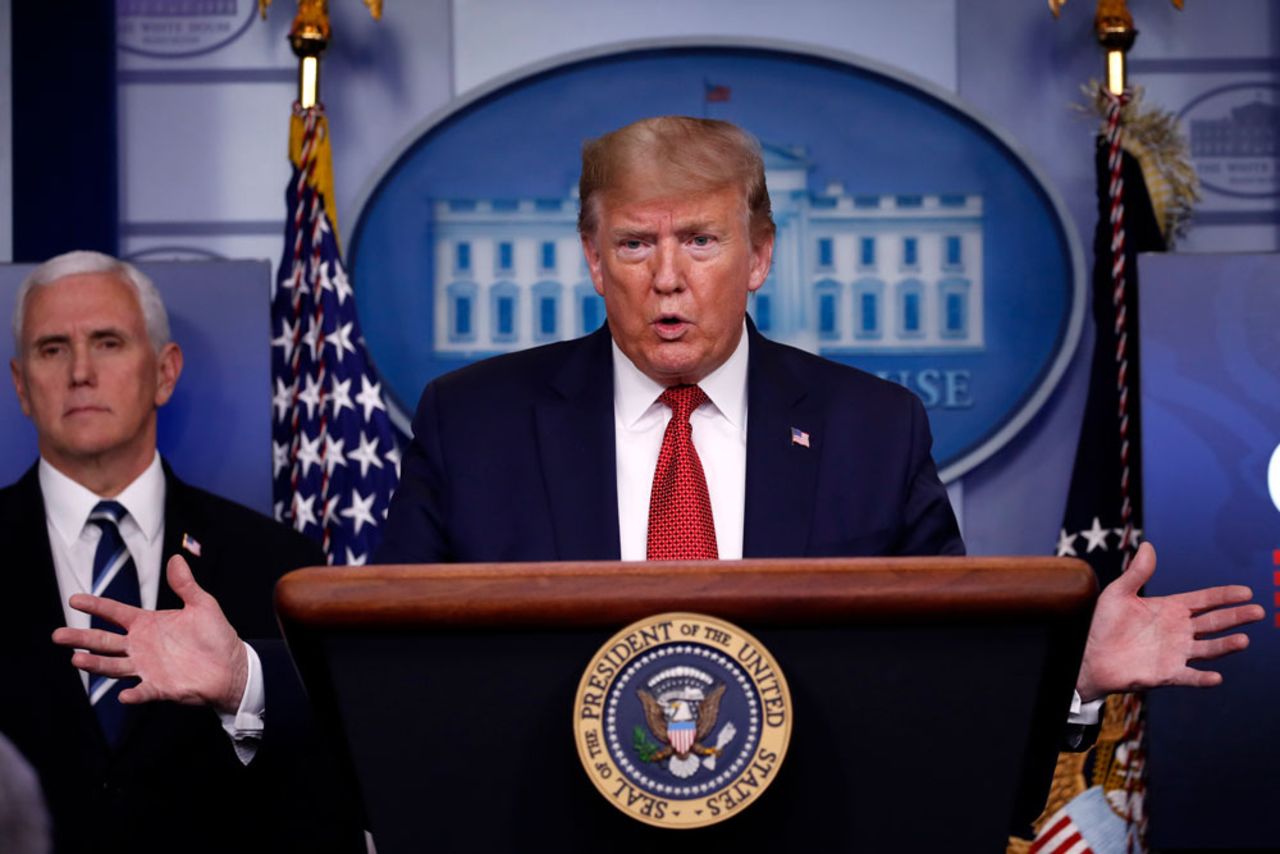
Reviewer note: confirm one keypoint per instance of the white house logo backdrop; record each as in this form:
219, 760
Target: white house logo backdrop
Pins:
913, 242
682, 720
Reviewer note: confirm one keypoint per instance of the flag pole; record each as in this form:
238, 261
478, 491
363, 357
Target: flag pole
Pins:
1113, 25
309, 36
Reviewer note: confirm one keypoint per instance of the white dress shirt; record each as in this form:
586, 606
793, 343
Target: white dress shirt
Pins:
719, 435
73, 541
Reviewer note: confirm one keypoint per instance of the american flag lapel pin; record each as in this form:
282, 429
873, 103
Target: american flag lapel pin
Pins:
799, 437
191, 544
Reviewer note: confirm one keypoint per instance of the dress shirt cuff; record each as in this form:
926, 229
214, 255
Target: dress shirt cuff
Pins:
1084, 714
246, 725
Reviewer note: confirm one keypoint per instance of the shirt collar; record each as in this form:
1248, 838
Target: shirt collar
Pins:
67, 504
634, 393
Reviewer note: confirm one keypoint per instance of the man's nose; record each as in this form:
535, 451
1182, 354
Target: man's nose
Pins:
83, 371
667, 276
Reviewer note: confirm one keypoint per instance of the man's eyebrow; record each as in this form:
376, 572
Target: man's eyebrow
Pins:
63, 338
46, 340
637, 232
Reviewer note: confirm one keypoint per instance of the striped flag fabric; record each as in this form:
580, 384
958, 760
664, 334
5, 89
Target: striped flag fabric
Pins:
335, 455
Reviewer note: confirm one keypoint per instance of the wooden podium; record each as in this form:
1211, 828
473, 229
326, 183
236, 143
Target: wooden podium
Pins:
929, 695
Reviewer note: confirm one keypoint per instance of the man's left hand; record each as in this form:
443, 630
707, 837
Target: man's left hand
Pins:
191, 656
1137, 642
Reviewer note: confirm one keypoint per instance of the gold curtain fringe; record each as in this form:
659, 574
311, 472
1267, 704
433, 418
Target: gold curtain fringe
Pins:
1154, 138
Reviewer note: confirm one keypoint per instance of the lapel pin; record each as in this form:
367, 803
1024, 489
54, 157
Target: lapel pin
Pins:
191, 544
799, 437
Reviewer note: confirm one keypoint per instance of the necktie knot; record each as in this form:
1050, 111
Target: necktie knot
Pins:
107, 513
683, 399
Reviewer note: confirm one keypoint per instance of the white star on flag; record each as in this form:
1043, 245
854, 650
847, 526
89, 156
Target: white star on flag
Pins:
340, 338
370, 397
1066, 544
304, 513
282, 399
310, 395
288, 331
279, 458
366, 454
361, 510
340, 397
333, 455
1096, 536
308, 453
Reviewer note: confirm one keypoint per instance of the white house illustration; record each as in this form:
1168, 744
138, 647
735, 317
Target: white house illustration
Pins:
851, 273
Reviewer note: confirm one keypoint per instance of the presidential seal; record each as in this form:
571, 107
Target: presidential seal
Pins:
682, 720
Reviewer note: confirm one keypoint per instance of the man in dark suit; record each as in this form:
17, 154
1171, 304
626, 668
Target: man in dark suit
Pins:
565, 452
161, 744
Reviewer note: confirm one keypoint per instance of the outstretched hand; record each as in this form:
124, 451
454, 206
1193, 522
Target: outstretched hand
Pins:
1137, 642
191, 656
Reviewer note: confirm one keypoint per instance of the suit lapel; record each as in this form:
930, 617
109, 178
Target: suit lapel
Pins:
180, 521
575, 434
781, 474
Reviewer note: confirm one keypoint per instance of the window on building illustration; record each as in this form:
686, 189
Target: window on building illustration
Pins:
502, 308
867, 308
506, 256
506, 317
462, 257
910, 201
910, 252
548, 255
955, 314
761, 313
546, 311
547, 317
910, 309
461, 302
826, 253
828, 309
590, 308
591, 313
954, 249
867, 252
462, 317
954, 307
870, 320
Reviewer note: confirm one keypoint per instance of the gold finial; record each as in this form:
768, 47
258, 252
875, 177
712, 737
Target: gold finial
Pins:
309, 36
1114, 27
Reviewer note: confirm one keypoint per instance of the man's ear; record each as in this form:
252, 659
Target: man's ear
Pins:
592, 254
761, 261
168, 369
20, 386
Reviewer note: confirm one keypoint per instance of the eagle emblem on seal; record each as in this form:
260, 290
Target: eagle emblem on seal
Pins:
681, 708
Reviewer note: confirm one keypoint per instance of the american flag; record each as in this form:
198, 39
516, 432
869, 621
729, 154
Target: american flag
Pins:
335, 457
716, 93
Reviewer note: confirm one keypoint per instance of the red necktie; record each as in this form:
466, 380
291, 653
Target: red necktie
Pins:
680, 522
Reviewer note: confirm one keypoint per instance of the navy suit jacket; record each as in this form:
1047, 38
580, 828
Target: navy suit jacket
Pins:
513, 460
174, 783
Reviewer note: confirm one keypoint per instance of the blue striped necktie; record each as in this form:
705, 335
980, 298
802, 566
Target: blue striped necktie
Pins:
114, 577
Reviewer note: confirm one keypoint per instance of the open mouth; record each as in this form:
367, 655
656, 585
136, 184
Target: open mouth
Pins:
670, 326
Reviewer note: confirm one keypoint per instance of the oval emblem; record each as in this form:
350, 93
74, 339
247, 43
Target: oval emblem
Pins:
682, 720
914, 241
